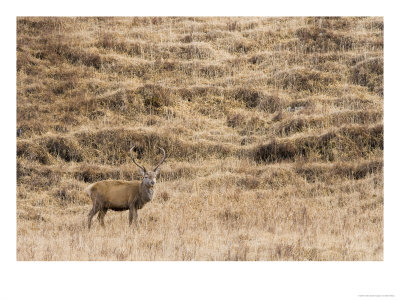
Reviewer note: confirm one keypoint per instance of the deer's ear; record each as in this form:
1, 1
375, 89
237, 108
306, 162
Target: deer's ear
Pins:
142, 171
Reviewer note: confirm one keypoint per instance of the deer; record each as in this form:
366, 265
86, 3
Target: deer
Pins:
121, 195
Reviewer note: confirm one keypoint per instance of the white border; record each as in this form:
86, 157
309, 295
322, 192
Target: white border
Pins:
198, 280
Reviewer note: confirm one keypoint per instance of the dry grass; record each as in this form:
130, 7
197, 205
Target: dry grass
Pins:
273, 129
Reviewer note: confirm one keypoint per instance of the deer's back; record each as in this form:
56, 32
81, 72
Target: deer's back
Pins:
115, 193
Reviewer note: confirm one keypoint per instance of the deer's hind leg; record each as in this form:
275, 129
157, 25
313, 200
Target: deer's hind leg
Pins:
101, 215
93, 211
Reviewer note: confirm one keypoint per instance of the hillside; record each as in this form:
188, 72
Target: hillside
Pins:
273, 129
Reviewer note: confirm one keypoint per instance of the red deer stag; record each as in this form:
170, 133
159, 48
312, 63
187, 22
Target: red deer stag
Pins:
121, 195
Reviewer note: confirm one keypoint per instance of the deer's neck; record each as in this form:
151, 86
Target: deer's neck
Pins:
146, 193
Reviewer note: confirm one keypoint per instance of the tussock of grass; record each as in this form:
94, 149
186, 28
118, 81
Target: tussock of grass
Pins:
319, 39
64, 148
303, 79
70, 192
369, 73
36, 177
31, 151
291, 126
339, 171
155, 96
91, 173
346, 143
111, 145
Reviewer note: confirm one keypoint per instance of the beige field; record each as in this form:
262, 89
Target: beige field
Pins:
273, 129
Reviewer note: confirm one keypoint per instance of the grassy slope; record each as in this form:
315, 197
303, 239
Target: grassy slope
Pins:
273, 128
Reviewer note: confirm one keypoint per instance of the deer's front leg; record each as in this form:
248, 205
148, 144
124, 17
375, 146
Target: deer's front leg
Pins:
132, 215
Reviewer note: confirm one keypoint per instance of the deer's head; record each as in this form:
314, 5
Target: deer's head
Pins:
149, 177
